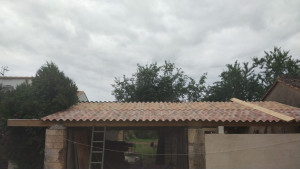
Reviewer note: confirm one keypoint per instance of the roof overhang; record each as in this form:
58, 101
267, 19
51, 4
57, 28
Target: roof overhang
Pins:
40, 123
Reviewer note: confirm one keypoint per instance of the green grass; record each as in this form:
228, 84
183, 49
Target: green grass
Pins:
145, 149
142, 147
145, 140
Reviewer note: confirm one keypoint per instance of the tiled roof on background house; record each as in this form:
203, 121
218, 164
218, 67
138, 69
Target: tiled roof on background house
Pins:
16, 77
165, 111
293, 82
82, 96
79, 93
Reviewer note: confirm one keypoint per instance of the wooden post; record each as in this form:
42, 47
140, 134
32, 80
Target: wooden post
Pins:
55, 147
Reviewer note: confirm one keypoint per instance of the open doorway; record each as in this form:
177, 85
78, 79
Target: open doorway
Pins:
142, 153
134, 148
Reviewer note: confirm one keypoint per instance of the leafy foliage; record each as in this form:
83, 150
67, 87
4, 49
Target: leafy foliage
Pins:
237, 81
50, 92
274, 64
158, 83
53, 90
246, 81
251, 82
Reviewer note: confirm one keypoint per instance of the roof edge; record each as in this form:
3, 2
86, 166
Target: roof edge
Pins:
278, 80
92, 101
287, 84
40, 123
269, 90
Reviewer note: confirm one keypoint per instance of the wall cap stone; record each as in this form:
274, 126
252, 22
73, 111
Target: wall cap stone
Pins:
57, 127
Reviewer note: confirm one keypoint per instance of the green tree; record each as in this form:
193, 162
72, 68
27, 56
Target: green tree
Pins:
237, 81
51, 91
158, 83
275, 64
22, 145
251, 82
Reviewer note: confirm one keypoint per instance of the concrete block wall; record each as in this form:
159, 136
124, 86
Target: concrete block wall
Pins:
259, 151
55, 148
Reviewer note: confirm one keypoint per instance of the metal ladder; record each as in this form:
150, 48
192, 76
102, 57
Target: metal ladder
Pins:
97, 148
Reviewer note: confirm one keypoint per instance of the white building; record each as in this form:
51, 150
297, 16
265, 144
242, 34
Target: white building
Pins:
11, 82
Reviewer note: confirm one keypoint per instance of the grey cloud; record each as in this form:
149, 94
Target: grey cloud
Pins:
95, 41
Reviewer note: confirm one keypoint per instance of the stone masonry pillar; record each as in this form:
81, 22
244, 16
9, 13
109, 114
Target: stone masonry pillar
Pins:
55, 147
196, 148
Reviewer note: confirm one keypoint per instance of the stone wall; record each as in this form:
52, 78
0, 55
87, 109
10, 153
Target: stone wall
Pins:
196, 148
55, 148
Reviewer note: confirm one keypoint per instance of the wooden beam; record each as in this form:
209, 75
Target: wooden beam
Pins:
265, 110
28, 123
140, 124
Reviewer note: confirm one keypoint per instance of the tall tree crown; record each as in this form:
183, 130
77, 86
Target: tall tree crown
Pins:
275, 64
251, 82
53, 89
158, 83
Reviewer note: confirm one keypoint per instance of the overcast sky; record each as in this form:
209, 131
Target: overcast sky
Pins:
95, 41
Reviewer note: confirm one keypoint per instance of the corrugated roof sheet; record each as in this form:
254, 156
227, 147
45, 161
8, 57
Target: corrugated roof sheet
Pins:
163, 111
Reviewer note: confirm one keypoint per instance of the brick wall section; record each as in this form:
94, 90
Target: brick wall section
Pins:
55, 149
196, 148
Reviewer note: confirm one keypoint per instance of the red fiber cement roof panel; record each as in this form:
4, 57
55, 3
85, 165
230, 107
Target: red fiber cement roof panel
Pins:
163, 111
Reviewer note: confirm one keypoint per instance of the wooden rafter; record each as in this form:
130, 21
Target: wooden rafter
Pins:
265, 110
